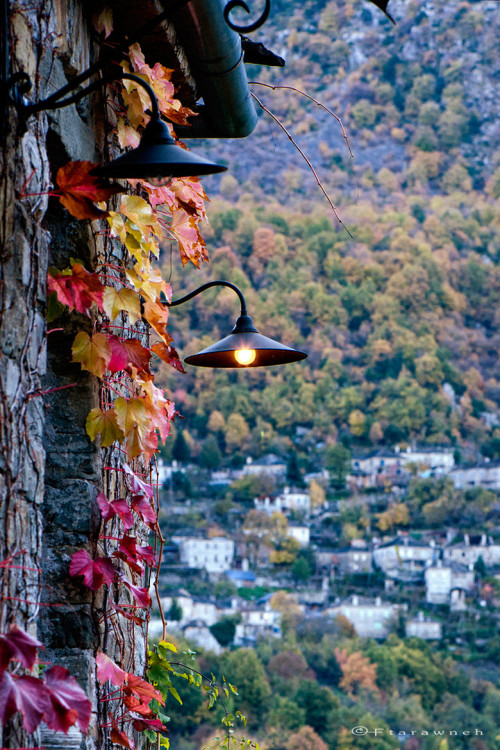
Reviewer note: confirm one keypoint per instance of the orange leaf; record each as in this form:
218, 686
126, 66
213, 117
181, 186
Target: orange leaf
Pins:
142, 690
185, 230
168, 354
189, 191
104, 423
93, 352
80, 190
156, 315
120, 738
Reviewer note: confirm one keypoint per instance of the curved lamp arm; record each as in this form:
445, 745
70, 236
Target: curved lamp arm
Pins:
20, 84
208, 285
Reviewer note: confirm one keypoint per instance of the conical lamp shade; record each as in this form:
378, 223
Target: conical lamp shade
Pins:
245, 347
157, 156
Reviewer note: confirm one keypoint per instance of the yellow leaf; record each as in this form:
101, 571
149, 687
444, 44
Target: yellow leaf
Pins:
141, 214
118, 300
103, 423
93, 352
170, 646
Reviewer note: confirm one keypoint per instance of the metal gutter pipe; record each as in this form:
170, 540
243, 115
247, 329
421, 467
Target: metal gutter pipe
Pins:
215, 57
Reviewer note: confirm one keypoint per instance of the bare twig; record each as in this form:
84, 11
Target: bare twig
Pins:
312, 99
320, 185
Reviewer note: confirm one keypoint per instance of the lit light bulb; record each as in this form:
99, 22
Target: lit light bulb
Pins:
159, 181
244, 356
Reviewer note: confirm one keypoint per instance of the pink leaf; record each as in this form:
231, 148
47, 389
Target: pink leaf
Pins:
25, 694
107, 510
18, 645
68, 702
140, 595
143, 508
108, 670
94, 572
136, 483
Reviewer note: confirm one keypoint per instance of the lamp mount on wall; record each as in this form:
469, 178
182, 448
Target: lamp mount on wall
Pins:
156, 159
244, 346
251, 26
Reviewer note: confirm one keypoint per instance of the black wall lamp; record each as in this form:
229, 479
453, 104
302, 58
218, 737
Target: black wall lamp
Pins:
156, 159
245, 346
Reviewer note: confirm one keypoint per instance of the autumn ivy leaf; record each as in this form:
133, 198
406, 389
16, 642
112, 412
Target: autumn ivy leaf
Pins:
133, 554
168, 354
103, 21
142, 690
149, 281
137, 706
140, 595
136, 483
184, 229
119, 737
18, 645
26, 694
134, 419
94, 572
93, 352
104, 423
141, 214
108, 670
68, 703
190, 193
76, 288
80, 190
127, 135
156, 314
128, 615
143, 508
155, 724
115, 508
126, 353
115, 301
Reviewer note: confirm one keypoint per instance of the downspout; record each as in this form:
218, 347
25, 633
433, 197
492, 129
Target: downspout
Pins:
215, 57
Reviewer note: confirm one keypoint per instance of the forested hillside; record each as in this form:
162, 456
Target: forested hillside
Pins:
401, 319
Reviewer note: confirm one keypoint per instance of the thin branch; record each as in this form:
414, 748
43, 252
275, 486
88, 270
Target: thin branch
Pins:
312, 99
320, 185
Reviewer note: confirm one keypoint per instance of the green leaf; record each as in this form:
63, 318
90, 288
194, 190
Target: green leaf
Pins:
176, 695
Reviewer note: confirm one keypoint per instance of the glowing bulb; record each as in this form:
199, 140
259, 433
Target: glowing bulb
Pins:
159, 181
244, 356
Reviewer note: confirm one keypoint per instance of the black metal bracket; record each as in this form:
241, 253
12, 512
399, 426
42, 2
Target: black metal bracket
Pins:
208, 285
251, 26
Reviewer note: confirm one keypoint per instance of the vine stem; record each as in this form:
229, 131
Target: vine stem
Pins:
308, 162
312, 99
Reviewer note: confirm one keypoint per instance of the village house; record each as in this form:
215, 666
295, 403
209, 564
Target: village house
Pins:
352, 560
270, 465
439, 459
193, 607
257, 620
471, 549
404, 557
442, 578
301, 533
214, 555
199, 632
424, 627
371, 618
485, 474
289, 500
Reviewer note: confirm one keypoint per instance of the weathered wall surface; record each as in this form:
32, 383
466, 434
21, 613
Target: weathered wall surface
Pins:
50, 472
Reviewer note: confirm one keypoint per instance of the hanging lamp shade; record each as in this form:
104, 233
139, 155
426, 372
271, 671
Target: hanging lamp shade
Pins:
157, 158
245, 347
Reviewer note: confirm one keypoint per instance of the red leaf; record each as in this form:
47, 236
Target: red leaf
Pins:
140, 595
142, 690
121, 508
94, 572
18, 645
137, 706
80, 190
137, 485
107, 510
168, 354
25, 694
76, 288
144, 509
68, 702
108, 670
134, 555
120, 738
155, 724
127, 353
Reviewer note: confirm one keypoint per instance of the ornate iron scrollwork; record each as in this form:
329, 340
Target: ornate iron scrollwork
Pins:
251, 26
